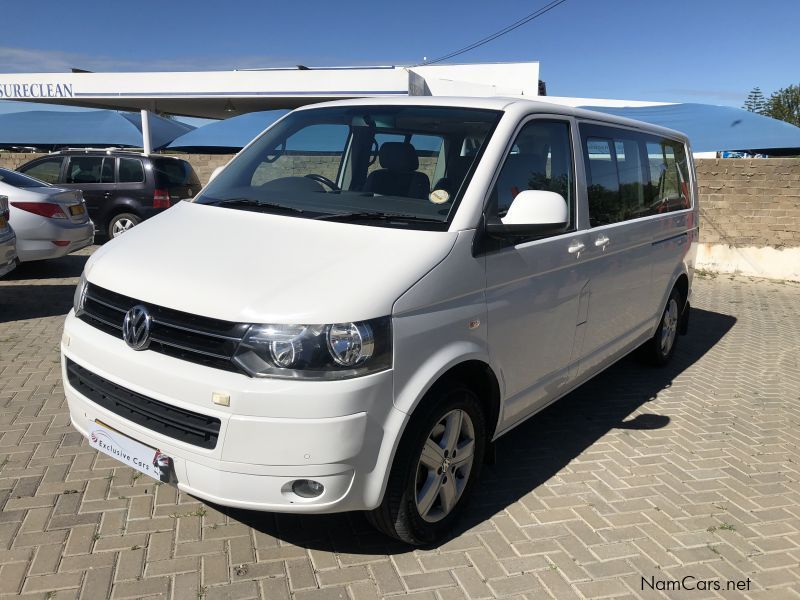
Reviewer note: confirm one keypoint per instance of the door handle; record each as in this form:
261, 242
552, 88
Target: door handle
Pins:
601, 241
576, 247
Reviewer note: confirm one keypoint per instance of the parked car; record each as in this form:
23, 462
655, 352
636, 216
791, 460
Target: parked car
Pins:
121, 188
372, 292
8, 241
50, 222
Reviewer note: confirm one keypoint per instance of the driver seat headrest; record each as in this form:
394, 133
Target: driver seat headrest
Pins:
398, 156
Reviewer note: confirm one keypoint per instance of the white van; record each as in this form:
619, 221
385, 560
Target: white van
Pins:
372, 292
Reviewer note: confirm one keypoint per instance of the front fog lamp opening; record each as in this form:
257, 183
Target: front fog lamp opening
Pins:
307, 488
350, 344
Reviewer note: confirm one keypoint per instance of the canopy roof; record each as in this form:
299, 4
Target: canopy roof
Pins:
220, 94
53, 129
716, 128
227, 136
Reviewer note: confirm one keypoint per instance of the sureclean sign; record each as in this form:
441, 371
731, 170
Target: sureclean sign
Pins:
36, 90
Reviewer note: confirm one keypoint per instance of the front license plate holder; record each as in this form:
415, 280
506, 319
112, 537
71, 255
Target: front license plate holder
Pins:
141, 457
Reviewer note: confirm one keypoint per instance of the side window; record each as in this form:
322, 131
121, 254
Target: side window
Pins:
130, 170
540, 159
618, 182
90, 169
47, 170
602, 181
669, 176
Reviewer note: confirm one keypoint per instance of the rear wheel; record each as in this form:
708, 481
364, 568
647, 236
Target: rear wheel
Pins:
121, 223
435, 468
660, 348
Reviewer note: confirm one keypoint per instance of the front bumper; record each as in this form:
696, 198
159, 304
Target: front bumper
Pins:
37, 243
340, 433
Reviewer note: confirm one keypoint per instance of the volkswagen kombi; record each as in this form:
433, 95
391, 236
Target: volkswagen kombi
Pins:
372, 292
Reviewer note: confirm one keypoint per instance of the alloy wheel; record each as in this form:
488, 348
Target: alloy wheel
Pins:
445, 465
669, 327
121, 226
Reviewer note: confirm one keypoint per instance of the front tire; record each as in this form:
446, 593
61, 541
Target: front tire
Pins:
435, 468
659, 349
121, 223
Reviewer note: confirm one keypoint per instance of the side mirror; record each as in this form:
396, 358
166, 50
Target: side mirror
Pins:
532, 212
214, 173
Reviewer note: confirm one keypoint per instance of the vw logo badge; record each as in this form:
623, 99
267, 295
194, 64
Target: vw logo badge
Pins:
136, 328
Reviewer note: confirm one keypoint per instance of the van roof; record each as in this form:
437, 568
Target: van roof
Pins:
505, 104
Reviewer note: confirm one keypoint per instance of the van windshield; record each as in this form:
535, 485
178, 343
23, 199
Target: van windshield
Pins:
377, 165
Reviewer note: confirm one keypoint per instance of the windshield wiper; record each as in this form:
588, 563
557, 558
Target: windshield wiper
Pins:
373, 216
256, 203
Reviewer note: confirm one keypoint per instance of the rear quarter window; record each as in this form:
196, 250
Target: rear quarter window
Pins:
131, 170
47, 170
174, 173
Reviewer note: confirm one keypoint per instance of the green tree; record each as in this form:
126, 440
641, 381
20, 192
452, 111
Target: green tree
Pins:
756, 102
785, 105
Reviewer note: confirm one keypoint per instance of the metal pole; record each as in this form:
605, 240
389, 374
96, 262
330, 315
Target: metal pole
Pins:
146, 143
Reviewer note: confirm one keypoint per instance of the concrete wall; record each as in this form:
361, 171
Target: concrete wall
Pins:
749, 211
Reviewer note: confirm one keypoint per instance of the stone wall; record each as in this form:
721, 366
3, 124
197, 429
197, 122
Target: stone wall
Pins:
204, 164
750, 203
11, 160
750, 217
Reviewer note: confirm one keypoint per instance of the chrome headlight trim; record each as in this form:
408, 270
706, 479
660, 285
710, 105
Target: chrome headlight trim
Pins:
79, 297
307, 352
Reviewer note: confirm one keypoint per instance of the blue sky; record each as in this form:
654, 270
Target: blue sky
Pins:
710, 51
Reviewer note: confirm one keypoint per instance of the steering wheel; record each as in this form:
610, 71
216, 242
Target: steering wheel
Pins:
324, 181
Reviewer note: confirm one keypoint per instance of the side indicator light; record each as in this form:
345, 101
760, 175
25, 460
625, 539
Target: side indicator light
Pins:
221, 398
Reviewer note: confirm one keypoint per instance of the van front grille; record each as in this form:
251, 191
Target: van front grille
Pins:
160, 417
196, 339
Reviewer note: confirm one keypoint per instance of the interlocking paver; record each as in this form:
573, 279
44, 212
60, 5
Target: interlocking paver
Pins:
688, 470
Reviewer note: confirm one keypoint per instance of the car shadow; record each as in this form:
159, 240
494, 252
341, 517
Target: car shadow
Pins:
56, 268
26, 292
34, 301
526, 457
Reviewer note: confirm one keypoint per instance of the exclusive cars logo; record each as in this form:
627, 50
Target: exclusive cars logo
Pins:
136, 327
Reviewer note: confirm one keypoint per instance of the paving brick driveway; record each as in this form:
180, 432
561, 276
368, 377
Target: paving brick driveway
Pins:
691, 470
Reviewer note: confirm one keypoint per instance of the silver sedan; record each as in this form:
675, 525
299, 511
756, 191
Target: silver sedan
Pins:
50, 222
8, 245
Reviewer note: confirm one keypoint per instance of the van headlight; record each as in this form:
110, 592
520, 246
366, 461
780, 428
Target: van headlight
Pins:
79, 298
335, 351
